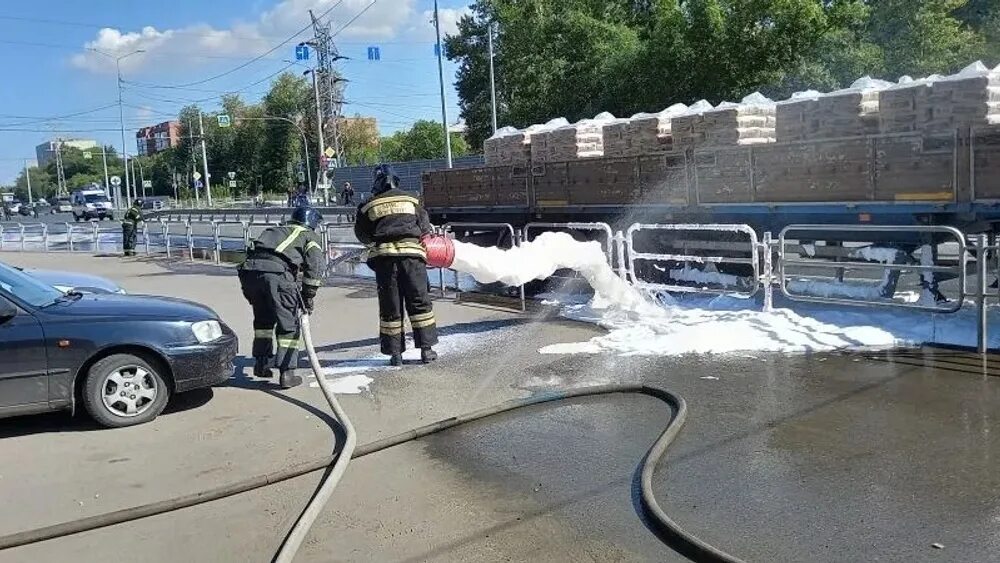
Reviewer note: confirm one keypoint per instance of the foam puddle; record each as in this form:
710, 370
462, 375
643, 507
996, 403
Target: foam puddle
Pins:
639, 327
679, 330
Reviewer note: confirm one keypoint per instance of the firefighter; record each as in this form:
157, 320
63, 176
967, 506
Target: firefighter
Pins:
391, 223
130, 227
268, 277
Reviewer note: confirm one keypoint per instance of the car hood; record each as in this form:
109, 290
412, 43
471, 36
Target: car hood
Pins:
75, 280
125, 307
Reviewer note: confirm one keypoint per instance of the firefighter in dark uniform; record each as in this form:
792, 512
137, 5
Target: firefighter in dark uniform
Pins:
269, 281
391, 224
130, 227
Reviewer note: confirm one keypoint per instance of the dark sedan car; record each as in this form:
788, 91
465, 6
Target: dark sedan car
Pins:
121, 356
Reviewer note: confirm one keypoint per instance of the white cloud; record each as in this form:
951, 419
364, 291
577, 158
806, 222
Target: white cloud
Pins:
198, 43
424, 28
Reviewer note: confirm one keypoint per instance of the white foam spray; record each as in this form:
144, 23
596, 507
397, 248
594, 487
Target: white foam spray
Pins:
542, 257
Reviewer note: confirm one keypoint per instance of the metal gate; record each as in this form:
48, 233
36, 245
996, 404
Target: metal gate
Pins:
750, 248
927, 267
515, 238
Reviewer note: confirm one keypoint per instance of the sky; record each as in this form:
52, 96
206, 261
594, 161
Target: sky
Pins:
58, 85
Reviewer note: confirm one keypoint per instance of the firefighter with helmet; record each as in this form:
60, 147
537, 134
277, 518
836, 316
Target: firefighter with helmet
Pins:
130, 227
392, 223
268, 278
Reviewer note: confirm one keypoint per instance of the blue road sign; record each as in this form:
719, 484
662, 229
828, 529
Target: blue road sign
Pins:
437, 49
374, 54
302, 52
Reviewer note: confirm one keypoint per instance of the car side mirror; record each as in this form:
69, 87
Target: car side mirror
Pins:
7, 310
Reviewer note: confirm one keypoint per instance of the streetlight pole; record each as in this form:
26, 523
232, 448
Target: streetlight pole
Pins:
121, 116
204, 159
493, 83
444, 103
142, 178
320, 177
305, 143
107, 183
27, 176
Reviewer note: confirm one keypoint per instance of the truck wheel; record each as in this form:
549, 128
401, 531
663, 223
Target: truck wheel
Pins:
124, 390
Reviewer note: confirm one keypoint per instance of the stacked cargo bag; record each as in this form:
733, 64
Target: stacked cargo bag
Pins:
642, 134
970, 98
562, 143
795, 119
905, 107
851, 112
750, 122
687, 129
509, 147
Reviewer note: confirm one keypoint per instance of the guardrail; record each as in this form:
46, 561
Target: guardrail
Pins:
332, 214
768, 262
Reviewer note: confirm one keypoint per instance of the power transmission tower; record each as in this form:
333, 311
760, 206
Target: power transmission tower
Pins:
60, 173
330, 86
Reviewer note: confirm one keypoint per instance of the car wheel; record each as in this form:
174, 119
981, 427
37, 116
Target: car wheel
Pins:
124, 390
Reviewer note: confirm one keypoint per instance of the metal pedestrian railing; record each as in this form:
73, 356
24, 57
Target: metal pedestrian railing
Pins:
744, 252
653, 257
515, 240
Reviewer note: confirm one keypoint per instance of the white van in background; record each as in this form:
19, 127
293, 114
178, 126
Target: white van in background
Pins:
91, 204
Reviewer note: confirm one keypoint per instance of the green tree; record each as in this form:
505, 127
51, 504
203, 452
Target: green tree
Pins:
425, 140
282, 151
921, 37
574, 58
359, 144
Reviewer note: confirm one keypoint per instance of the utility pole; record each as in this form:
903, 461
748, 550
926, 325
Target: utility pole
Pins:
204, 159
107, 182
320, 174
131, 190
493, 83
194, 165
444, 102
27, 176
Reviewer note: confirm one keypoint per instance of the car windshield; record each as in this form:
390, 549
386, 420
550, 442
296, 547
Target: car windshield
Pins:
27, 288
97, 198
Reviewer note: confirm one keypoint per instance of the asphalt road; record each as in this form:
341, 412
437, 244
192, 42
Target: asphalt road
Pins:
784, 458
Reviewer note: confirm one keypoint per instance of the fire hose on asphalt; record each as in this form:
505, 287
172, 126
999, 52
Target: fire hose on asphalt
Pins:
668, 530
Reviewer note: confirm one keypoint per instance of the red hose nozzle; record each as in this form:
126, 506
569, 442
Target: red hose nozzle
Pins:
440, 250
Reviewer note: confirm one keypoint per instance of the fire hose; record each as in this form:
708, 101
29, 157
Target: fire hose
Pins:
669, 531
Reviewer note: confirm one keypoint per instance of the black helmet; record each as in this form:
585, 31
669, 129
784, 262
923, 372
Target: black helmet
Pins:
137, 203
385, 179
306, 216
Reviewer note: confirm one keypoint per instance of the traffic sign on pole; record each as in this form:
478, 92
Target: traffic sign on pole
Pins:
116, 181
329, 152
87, 156
232, 183
147, 183
302, 52
374, 54
232, 175
224, 120
196, 176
